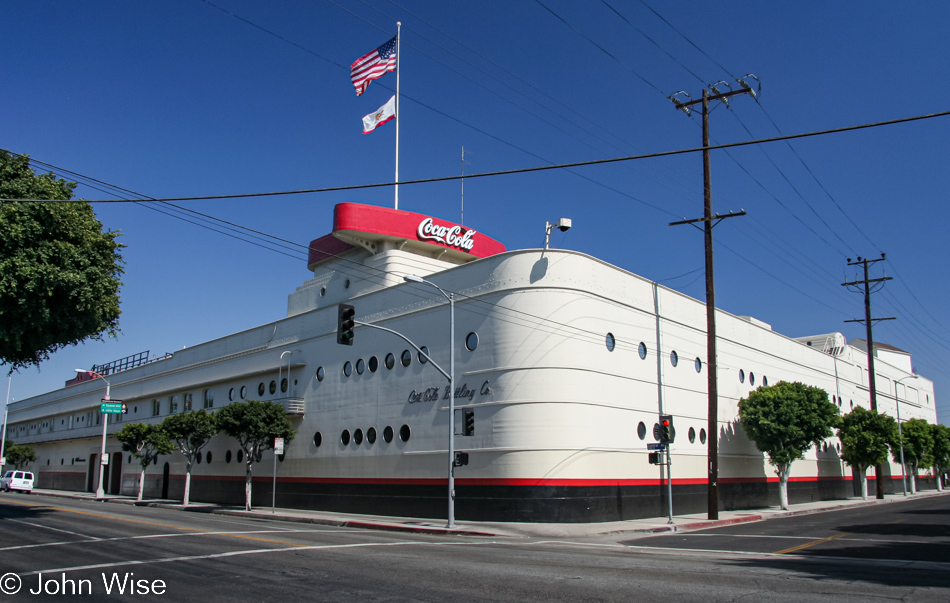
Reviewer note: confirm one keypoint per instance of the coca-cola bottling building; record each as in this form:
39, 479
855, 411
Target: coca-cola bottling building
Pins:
564, 360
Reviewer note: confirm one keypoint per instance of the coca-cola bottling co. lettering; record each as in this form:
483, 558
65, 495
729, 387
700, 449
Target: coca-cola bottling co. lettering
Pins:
447, 235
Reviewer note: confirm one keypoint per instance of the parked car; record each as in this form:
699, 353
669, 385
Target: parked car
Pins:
17, 480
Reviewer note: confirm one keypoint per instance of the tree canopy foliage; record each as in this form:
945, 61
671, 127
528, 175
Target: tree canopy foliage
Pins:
146, 443
866, 436
59, 271
918, 444
254, 424
784, 420
941, 451
191, 431
19, 455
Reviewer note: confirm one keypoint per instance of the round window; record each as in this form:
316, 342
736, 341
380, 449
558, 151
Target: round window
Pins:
643, 351
765, 381
373, 364
751, 378
471, 341
358, 437
317, 439
345, 437
231, 394
208, 457
360, 366
390, 360
371, 435
243, 391
273, 387
674, 358
388, 434
261, 388
642, 431
406, 358
692, 435
347, 368
702, 436
404, 433
227, 456
698, 364
321, 373
283, 385
741, 376
422, 354
240, 456
611, 342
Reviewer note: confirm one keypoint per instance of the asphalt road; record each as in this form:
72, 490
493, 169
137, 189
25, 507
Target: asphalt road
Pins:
51, 548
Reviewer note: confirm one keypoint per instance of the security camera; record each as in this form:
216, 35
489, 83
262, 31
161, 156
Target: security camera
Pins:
564, 224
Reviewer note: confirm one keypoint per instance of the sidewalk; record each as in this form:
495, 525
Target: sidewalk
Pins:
680, 523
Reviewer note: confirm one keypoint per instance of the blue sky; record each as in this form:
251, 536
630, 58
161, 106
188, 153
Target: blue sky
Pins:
191, 98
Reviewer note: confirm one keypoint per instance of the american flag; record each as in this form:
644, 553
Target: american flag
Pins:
373, 65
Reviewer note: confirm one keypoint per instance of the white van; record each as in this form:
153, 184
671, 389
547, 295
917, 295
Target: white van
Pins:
17, 480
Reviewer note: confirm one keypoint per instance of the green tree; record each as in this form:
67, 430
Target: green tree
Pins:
146, 443
190, 431
918, 443
866, 436
254, 424
784, 420
59, 272
20, 455
940, 452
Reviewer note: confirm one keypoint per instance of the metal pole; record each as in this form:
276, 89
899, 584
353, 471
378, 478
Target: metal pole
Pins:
398, 59
100, 490
273, 497
6, 412
900, 432
451, 522
712, 421
669, 482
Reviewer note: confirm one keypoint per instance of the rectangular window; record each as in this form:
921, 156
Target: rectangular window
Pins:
156, 407
187, 405
173, 404
208, 398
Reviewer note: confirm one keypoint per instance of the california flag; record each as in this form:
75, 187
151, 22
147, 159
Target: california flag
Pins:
380, 116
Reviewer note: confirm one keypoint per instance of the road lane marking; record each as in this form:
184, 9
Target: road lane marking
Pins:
36, 525
811, 544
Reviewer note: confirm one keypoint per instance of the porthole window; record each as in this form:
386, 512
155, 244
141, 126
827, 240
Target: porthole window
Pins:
321, 373
198, 458
834, 400
611, 342
243, 391
388, 434
702, 436
240, 456
231, 394
698, 364
642, 350
741, 376
273, 387
765, 381
208, 457
323, 291
656, 432
261, 388
347, 368
358, 437
345, 437
373, 364
360, 366
674, 358
227, 456
346, 285
283, 385
422, 355
691, 434
371, 435
390, 360
317, 439
642, 431
751, 378
404, 433
406, 358
471, 342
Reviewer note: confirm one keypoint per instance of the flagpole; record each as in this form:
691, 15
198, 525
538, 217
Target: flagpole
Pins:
398, 56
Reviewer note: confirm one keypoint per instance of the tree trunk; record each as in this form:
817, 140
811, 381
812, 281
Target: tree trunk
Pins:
141, 483
912, 477
247, 484
187, 497
864, 482
783, 473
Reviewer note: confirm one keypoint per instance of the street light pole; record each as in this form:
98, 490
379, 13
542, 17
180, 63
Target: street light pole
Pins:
6, 413
900, 432
100, 491
451, 297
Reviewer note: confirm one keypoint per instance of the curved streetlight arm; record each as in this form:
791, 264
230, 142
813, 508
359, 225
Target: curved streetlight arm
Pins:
409, 341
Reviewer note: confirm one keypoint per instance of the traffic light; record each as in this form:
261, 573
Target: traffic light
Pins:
345, 322
468, 421
125, 408
461, 458
654, 458
666, 429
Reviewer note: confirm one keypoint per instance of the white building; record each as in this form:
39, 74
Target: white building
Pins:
567, 361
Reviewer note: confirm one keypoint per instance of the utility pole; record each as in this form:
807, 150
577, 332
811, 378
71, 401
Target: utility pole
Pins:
868, 322
708, 219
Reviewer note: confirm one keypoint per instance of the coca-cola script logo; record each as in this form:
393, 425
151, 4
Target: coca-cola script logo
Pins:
447, 235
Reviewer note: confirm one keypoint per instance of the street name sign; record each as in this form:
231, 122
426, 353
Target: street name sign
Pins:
114, 407
656, 446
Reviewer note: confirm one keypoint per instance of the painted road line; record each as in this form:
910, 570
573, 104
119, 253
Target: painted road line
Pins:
811, 544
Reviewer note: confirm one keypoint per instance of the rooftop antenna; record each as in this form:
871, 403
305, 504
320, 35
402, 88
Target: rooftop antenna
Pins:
464, 163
